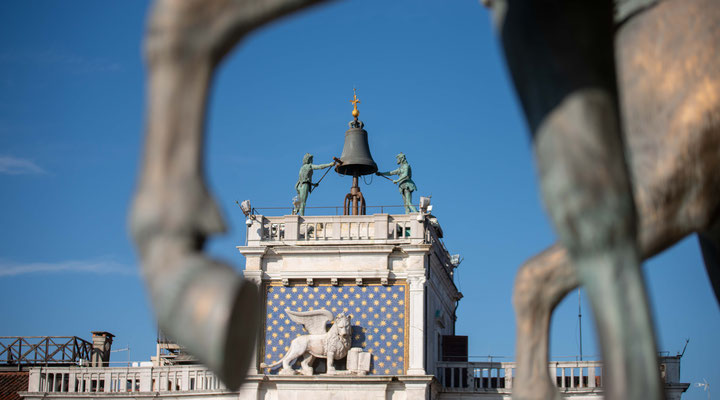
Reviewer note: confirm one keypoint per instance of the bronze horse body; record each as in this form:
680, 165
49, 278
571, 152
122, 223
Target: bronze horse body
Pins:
669, 86
561, 57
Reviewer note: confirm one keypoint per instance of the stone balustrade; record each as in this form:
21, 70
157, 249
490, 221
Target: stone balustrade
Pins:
336, 229
498, 376
454, 376
569, 376
122, 379
480, 378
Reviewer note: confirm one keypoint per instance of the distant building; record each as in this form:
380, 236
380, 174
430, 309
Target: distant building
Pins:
392, 273
19, 354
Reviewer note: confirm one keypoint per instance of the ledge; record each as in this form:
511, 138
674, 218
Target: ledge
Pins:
325, 249
342, 379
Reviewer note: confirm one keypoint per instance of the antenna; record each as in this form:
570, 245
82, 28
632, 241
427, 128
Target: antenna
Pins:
686, 343
580, 323
125, 349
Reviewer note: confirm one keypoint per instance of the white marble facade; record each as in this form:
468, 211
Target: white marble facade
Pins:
359, 254
392, 273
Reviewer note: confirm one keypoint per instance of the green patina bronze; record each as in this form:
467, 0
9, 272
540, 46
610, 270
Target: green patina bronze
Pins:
304, 183
569, 63
404, 181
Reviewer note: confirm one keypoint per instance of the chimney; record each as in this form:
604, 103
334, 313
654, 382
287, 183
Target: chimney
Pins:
102, 342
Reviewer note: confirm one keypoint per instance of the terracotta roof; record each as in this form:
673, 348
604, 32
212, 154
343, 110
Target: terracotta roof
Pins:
11, 383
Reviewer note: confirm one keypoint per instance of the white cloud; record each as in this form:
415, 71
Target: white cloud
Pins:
10, 165
9, 268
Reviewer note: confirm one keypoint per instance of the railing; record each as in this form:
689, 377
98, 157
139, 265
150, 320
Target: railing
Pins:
328, 210
569, 376
498, 376
477, 377
30, 350
332, 228
114, 379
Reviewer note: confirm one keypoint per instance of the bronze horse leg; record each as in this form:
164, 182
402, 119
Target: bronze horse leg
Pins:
541, 283
561, 58
199, 302
668, 80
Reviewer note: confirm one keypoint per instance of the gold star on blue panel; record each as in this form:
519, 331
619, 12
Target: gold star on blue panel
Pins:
378, 320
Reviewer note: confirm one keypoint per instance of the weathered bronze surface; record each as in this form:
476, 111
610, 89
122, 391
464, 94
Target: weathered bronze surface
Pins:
356, 157
355, 161
562, 60
304, 183
199, 302
668, 80
404, 181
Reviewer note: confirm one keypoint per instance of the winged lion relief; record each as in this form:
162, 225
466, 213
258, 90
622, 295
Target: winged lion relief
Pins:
332, 344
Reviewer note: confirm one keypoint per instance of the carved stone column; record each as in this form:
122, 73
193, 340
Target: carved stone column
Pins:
255, 276
416, 345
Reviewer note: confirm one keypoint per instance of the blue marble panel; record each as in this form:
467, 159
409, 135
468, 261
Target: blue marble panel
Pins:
379, 315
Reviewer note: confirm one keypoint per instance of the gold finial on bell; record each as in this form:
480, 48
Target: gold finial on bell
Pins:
355, 101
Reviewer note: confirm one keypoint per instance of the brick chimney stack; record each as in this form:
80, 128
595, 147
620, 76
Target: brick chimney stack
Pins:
102, 343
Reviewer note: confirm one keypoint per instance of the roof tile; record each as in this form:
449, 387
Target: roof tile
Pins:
11, 383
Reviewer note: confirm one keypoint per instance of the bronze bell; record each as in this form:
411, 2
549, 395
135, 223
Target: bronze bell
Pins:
355, 161
356, 158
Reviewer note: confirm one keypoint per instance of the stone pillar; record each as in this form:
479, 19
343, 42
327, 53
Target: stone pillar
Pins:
253, 273
336, 229
34, 380
107, 382
145, 380
417, 229
72, 384
292, 226
381, 222
102, 343
185, 382
255, 231
255, 276
416, 345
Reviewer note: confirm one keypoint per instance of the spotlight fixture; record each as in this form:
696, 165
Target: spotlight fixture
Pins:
425, 204
456, 259
246, 208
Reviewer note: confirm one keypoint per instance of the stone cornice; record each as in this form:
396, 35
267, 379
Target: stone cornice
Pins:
252, 250
356, 249
342, 379
411, 249
352, 274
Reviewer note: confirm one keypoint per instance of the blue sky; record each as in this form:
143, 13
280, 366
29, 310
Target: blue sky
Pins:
432, 84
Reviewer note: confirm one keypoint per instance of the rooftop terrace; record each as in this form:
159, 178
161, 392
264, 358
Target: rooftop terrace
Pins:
341, 229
